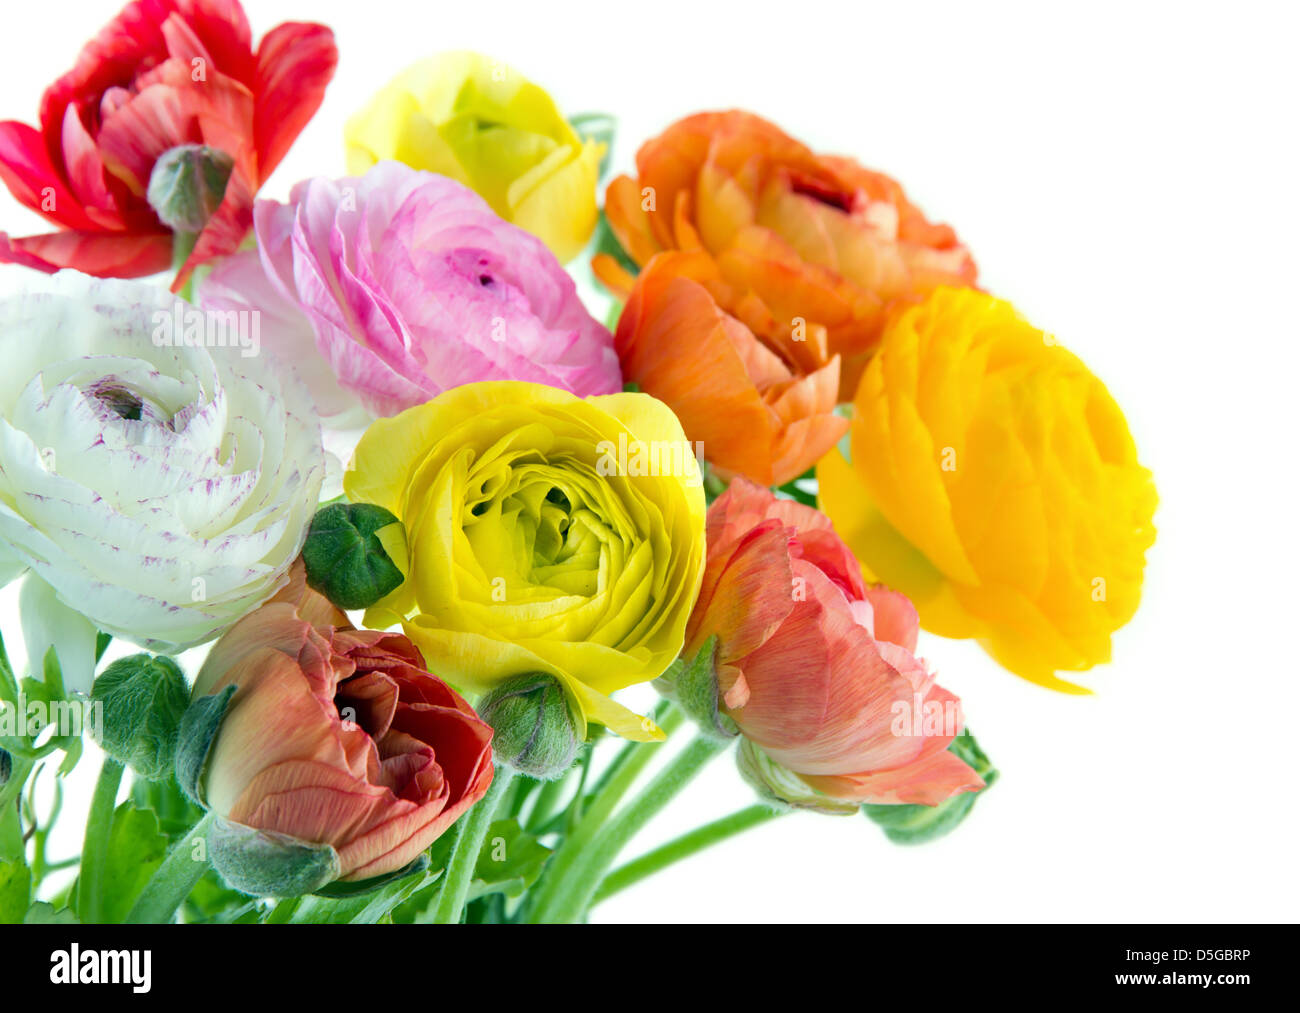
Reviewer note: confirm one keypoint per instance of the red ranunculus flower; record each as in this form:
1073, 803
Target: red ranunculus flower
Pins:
163, 73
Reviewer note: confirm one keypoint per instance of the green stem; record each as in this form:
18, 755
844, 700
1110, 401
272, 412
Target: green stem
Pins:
545, 804
565, 863
567, 896
182, 246
94, 852
470, 834
683, 847
174, 879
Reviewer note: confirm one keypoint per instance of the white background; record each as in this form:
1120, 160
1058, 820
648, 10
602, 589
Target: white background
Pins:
1127, 174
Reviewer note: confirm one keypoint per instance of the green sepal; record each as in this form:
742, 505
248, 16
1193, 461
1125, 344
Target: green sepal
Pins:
693, 686
262, 863
920, 824
198, 730
345, 560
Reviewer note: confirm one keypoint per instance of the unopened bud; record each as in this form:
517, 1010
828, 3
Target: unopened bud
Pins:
346, 557
187, 185
142, 700
534, 727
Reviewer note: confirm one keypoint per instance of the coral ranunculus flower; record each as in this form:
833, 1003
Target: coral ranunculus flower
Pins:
339, 736
481, 123
816, 668
162, 74
995, 482
809, 239
545, 533
761, 402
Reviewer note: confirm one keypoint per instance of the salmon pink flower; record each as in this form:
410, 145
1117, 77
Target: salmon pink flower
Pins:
162, 75
390, 288
815, 667
338, 737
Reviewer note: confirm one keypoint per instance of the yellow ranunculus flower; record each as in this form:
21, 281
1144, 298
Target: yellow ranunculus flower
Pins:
544, 533
995, 482
478, 121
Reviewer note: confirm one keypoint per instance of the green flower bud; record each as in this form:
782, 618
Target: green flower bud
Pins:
920, 824
188, 184
781, 787
693, 686
535, 730
261, 863
345, 556
140, 700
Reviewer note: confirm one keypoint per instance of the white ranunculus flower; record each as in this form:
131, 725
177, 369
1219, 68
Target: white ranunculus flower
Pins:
153, 471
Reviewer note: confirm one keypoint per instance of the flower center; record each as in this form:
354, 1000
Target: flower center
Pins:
126, 403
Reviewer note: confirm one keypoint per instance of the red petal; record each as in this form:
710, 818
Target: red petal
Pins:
103, 254
295, 62
26, 169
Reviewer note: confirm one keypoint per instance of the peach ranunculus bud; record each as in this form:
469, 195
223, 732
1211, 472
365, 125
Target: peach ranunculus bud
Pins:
810, 240
336, 739
758, 395
816, 668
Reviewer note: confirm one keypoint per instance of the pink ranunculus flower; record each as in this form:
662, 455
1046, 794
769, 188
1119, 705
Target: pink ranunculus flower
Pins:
387, 289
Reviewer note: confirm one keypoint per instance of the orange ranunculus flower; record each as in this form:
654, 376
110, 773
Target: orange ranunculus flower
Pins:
993, 479
338, 736
811, 239
816, 668
760, 401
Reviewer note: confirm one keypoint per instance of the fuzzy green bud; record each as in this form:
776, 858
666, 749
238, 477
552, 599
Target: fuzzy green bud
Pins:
345, 555
188, 184
535, 730
141, 701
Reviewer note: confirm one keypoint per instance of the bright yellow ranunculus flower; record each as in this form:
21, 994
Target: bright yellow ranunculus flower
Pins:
544, 533
479, 122
995, 482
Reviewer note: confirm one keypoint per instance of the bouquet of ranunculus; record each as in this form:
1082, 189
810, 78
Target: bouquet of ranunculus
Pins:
805, 436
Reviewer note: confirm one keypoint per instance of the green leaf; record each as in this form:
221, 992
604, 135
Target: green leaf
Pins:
920, 824
15, 892
136, 847
176, 813
510, 861
366, 909
341, 890
41, 913
211, 899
